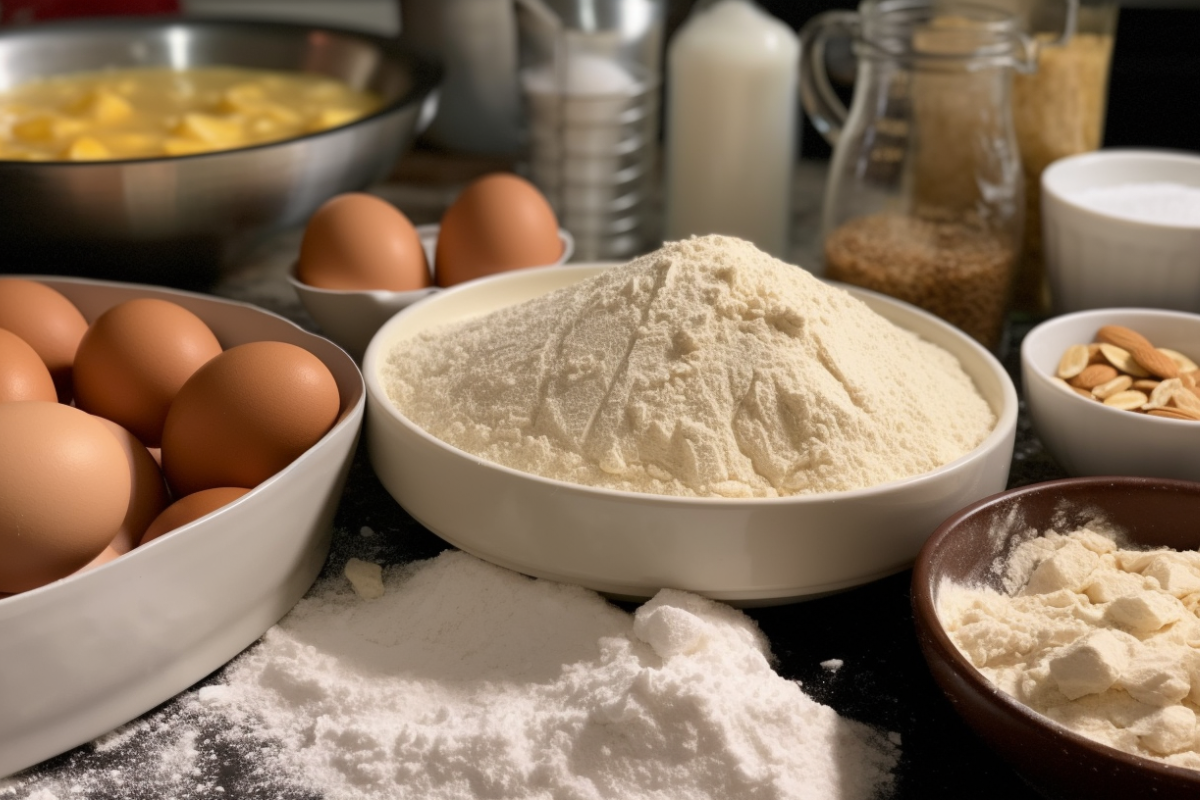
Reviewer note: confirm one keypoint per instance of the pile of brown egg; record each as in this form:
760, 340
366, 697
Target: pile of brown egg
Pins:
122, 430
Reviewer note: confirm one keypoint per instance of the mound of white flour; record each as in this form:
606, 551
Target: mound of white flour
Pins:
452, 679
466, 681
706, 368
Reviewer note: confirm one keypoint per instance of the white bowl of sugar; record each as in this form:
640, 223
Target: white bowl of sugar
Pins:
1122, 228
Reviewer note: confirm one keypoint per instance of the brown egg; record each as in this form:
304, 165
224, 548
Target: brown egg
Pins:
192, 507
106, 555
147, 489
359, 242
23, 374
64, 489
134, 358
48, 322
499, 222
245, 415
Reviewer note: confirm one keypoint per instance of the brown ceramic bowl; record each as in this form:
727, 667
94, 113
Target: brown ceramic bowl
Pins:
1153, 512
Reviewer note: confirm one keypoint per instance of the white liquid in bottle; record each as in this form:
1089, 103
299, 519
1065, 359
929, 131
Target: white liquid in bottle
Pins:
731, 137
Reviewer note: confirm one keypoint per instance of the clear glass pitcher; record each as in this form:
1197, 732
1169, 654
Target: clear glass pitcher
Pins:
925, 195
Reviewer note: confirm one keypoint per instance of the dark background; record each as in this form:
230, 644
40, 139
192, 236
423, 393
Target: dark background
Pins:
1154, 87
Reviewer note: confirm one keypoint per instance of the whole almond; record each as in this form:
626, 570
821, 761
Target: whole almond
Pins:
1122, 337
1139, 347
1154, 362
1093, 375
1145, 385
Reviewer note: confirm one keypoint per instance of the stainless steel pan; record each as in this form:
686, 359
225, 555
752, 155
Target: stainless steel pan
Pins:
179, 220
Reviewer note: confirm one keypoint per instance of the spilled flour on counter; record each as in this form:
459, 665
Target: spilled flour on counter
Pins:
706, 368
465, 681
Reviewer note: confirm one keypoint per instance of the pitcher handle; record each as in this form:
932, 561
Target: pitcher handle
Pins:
824, 108
1070, 23
1028, 62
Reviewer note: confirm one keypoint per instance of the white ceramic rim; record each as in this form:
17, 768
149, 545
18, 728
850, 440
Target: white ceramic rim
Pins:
379, 295
1102, 316
1052, 175
1006, 416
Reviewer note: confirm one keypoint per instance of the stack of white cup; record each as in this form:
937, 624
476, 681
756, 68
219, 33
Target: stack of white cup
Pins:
593, 127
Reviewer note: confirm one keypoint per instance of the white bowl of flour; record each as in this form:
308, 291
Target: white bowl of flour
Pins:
708, 432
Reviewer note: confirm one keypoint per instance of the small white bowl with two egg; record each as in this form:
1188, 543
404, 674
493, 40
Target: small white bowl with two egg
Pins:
362, 260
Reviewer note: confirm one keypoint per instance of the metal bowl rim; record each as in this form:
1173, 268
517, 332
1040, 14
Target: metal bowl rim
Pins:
426, 73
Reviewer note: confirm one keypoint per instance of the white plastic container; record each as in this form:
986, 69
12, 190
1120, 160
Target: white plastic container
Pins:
731, 126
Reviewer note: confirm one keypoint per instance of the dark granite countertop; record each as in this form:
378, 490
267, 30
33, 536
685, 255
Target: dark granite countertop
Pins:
884, 680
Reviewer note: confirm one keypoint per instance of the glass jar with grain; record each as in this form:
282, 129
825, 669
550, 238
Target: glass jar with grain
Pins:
1058, 111
925, 198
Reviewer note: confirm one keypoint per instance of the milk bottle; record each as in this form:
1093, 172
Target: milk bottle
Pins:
731, 126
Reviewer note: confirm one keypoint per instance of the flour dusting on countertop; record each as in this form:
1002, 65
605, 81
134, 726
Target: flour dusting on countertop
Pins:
468, 681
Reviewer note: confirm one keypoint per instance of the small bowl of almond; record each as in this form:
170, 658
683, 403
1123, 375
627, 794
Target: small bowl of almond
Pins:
1117, 391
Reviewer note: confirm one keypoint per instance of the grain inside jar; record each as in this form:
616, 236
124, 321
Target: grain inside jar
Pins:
960, 271
1059, 111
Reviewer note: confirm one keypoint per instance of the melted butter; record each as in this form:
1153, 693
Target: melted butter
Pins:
157, 111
